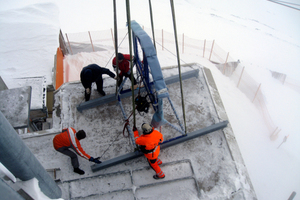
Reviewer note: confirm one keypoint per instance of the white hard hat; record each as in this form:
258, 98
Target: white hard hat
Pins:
146, 128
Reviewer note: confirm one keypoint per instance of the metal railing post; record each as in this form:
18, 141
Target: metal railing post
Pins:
91, 41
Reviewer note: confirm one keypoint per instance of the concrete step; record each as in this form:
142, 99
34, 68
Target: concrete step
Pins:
137, 183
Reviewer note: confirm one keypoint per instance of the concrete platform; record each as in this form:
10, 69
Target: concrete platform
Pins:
219, 169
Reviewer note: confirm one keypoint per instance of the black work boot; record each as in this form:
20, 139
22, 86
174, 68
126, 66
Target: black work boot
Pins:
102, 93
158, 177
78, 171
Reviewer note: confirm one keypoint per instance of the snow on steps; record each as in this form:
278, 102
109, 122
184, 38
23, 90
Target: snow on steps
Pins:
138, 183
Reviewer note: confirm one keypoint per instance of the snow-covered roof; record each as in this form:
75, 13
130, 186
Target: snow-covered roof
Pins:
201, 168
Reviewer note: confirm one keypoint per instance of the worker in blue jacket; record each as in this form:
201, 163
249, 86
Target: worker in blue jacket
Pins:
93, 73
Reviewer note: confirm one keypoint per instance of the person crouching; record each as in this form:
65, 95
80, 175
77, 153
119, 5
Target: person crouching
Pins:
69, 139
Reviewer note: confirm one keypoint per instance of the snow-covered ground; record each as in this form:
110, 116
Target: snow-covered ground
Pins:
206, 160
262, 35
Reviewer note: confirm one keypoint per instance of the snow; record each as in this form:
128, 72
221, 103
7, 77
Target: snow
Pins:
262, 35
29, 38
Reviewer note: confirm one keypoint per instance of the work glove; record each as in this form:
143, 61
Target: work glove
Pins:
134, 128
117, 78
95, 160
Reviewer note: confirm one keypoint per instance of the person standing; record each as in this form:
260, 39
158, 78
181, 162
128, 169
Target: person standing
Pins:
149, 144
124, 67
69, 139
93, 73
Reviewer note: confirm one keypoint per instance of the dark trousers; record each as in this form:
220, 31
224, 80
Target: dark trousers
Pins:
126, 75
99, 84
88, 84
71, 154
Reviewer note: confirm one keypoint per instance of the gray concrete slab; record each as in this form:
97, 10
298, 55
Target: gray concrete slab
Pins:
15, 106
2, 85
38, 93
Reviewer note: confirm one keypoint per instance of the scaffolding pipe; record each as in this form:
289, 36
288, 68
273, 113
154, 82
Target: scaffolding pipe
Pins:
130, 51
116, 44
178, 61
121, 86
174, 127
19, 160
152, 25
173, 108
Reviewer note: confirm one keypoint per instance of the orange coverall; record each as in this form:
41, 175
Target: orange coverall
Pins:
149, 144
67, 139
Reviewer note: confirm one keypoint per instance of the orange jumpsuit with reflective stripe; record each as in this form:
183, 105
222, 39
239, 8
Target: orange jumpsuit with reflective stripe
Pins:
149, 144
68, 139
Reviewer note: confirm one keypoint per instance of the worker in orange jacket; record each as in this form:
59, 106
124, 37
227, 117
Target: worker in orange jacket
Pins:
69, 139
149, 145
124, 67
